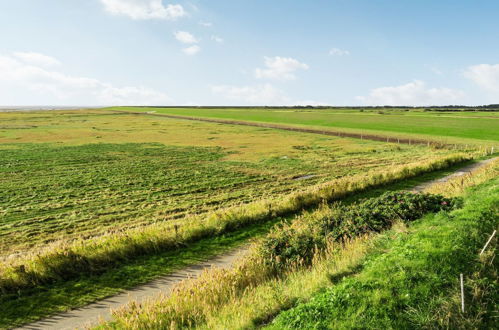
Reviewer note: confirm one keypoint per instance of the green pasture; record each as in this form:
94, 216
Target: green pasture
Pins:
478, 128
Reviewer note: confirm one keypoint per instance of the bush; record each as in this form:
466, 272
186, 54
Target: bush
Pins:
296, 243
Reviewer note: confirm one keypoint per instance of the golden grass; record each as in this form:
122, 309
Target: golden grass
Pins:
457, 185
241, 297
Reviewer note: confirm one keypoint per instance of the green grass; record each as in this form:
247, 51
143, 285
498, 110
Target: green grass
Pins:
86, 177
91, 172
408, 282
478, 128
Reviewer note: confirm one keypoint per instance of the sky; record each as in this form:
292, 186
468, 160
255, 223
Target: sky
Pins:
252, 52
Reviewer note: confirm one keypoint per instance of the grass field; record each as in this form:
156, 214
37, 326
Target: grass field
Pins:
95, 201
479, 128
73, 174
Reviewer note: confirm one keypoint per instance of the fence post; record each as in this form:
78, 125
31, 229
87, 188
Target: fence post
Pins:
462, 293
487, 244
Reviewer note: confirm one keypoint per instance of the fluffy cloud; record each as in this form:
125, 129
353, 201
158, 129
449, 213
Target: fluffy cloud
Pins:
265, 94
205, 24
217, 39
41, 85
484, 75
338, 52
411, 94
185, 37
144, 9
192, 50
280, 68
37, 59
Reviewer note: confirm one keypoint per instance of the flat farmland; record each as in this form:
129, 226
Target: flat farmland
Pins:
74, 174
477, 128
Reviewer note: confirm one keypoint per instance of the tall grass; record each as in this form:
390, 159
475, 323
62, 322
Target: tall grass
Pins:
328, 231
63, 261
457, 185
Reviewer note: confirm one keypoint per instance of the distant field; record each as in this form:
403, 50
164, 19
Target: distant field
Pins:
480, 128
67, 174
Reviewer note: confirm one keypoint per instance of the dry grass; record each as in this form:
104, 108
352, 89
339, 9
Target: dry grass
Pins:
457, 185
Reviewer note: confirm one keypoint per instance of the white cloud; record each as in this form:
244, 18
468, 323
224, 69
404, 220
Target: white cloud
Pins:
484, 75
144, 9
185, 37
411, 94
217, 39
38, 85
338, 52
280, 68
265, 94
192, 50
205, 24
37, 59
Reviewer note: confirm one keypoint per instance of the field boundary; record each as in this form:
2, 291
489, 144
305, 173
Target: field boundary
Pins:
328, 132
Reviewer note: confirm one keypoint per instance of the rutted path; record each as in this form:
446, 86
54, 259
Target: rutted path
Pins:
91, 314
462, 171
101, 310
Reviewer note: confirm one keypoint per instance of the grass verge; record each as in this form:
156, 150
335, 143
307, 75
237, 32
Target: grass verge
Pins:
415, 283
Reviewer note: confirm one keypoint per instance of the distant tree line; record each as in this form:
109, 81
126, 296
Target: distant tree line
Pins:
489, 107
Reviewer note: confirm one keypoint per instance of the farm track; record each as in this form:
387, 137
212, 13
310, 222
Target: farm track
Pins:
91, 314
328, 132
83, 317
462, 171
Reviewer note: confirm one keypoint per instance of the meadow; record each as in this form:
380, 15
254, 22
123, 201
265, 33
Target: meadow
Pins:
477, 128
72, 174
96, 201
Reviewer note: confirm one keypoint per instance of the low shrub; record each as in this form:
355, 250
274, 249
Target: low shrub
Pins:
296, 242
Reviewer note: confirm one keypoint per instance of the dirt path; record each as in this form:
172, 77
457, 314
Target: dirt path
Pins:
91, 314
462, 171
81, 317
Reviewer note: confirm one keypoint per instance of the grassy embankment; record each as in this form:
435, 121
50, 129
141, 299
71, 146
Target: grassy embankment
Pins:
396, 273
416, 283
468, 128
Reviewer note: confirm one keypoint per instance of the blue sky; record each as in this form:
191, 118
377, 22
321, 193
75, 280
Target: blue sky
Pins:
252, 52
